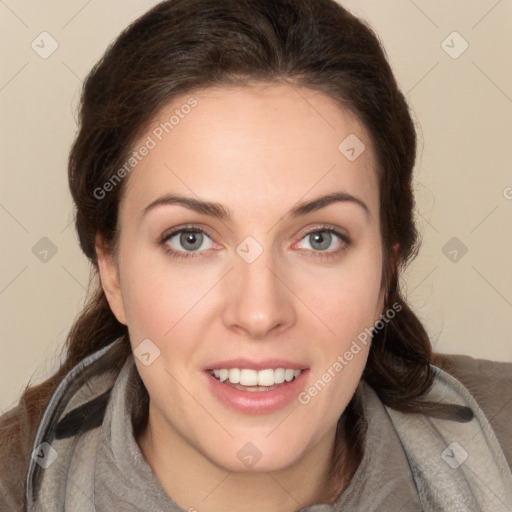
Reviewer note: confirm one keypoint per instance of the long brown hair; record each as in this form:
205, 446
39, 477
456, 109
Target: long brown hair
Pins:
182, 45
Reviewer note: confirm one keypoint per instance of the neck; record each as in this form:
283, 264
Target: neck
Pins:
195, 483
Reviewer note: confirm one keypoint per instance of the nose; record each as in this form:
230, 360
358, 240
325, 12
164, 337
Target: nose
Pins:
258, 302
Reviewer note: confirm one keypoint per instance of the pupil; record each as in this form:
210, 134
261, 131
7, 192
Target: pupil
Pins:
323, 239
194, 239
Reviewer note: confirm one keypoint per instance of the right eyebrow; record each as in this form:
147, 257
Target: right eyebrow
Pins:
198, 205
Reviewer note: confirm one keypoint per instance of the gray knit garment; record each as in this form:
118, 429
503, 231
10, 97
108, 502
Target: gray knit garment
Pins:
123, 481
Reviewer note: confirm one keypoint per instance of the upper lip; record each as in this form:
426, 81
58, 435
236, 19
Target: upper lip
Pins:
255, 365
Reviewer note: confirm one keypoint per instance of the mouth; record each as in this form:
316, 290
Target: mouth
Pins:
247, 379
265, 389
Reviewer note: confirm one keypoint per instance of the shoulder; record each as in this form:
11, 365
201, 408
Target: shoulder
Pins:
77, 396
490, 383
18, 428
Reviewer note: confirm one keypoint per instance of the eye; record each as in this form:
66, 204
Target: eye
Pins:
325, 240
186, 240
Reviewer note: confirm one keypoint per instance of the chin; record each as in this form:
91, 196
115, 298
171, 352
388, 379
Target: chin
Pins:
257, 456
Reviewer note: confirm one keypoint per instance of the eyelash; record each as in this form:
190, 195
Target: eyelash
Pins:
346, 242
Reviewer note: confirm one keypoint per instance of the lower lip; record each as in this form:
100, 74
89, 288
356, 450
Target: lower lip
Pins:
257, 402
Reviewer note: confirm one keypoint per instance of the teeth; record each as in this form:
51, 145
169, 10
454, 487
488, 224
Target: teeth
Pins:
279, 375
234, 375
247, 377
266, 378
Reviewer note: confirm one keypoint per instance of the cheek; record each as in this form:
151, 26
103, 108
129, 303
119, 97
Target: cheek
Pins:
348, 308
346, 297
156, 294
148, 305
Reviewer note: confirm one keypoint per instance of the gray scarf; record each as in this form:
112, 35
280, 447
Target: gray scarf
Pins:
411, 462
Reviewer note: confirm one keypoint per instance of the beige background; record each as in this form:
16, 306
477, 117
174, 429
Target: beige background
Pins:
463, 180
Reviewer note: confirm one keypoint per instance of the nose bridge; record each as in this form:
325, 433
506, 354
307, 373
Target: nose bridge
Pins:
259, 302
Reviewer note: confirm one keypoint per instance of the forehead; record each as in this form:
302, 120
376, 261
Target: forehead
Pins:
253, 146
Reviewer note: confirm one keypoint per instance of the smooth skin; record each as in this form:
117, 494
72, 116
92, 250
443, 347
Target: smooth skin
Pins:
258, 151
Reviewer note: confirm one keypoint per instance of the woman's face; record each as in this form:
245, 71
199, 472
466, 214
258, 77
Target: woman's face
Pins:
267, 276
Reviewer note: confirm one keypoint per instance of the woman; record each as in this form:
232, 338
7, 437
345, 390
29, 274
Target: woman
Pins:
272, 364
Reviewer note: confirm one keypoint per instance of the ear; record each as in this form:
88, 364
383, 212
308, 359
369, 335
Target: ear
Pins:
394, 268
109, 275
396, 248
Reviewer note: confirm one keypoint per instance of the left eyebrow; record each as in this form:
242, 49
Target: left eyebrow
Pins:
220, 212
323, 201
